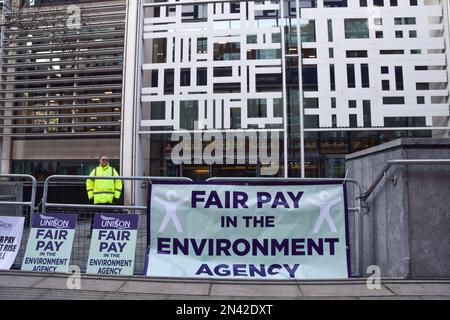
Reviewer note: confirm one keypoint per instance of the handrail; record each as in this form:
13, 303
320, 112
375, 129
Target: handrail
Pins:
45, 204
32, 201
365, 195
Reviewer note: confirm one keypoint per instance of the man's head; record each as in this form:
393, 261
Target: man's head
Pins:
103, 160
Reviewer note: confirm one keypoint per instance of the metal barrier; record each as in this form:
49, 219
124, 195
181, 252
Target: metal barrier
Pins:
18, 207
32, 201
354, 208
86, 213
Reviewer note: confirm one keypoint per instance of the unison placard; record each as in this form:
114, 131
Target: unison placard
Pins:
254, 231
113, 244
11, 229
50, 242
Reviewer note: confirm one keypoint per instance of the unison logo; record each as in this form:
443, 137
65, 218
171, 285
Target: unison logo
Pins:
114, 223
5, 226
47, 221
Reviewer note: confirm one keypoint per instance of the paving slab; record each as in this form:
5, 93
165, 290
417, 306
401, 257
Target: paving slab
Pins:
10, 293
249, 290
19, 281
435, 298
101, 285
391, 298
86, 284
71, 295
134, 296
349, 290
420, 289
166, 287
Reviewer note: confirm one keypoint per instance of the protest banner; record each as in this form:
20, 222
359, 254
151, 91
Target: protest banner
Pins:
113, 244
11, 230
50, 242
254, 231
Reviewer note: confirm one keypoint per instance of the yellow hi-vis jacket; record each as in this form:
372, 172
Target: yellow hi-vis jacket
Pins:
103, 191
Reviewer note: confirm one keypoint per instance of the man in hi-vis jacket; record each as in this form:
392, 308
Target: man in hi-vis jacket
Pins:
104, 191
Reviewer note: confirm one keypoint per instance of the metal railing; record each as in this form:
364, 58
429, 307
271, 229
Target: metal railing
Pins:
357, 221
32, 201
364, 196
46, 204
19, 208
86, 213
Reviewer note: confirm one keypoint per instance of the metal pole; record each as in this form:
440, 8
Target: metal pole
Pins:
283, 73
300, 90
45, 204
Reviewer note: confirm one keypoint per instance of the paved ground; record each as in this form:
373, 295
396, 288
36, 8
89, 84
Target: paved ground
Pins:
31, 286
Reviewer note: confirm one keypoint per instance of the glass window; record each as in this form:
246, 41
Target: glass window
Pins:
351, 83
365, 83
202, 45
352, 104
356, 53
330, 30
334, 3
366, 113
393, 100
405, 21
257, 108
353, 121
157, 110
378, 3
309, 74
404, 122
188, 114
185, 77
201, 76
227, 51
252, 38
308, 31
332, 78
158, 49
310, 103
356, 28
257, 54
399, 78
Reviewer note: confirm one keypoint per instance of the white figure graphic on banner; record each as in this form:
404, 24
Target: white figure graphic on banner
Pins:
325, 206
171, 208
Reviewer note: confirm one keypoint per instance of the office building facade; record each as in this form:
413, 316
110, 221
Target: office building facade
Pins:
61, 85
365, 72
136, 72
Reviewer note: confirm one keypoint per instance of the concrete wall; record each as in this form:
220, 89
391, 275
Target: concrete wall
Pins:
61, 149
406, 230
